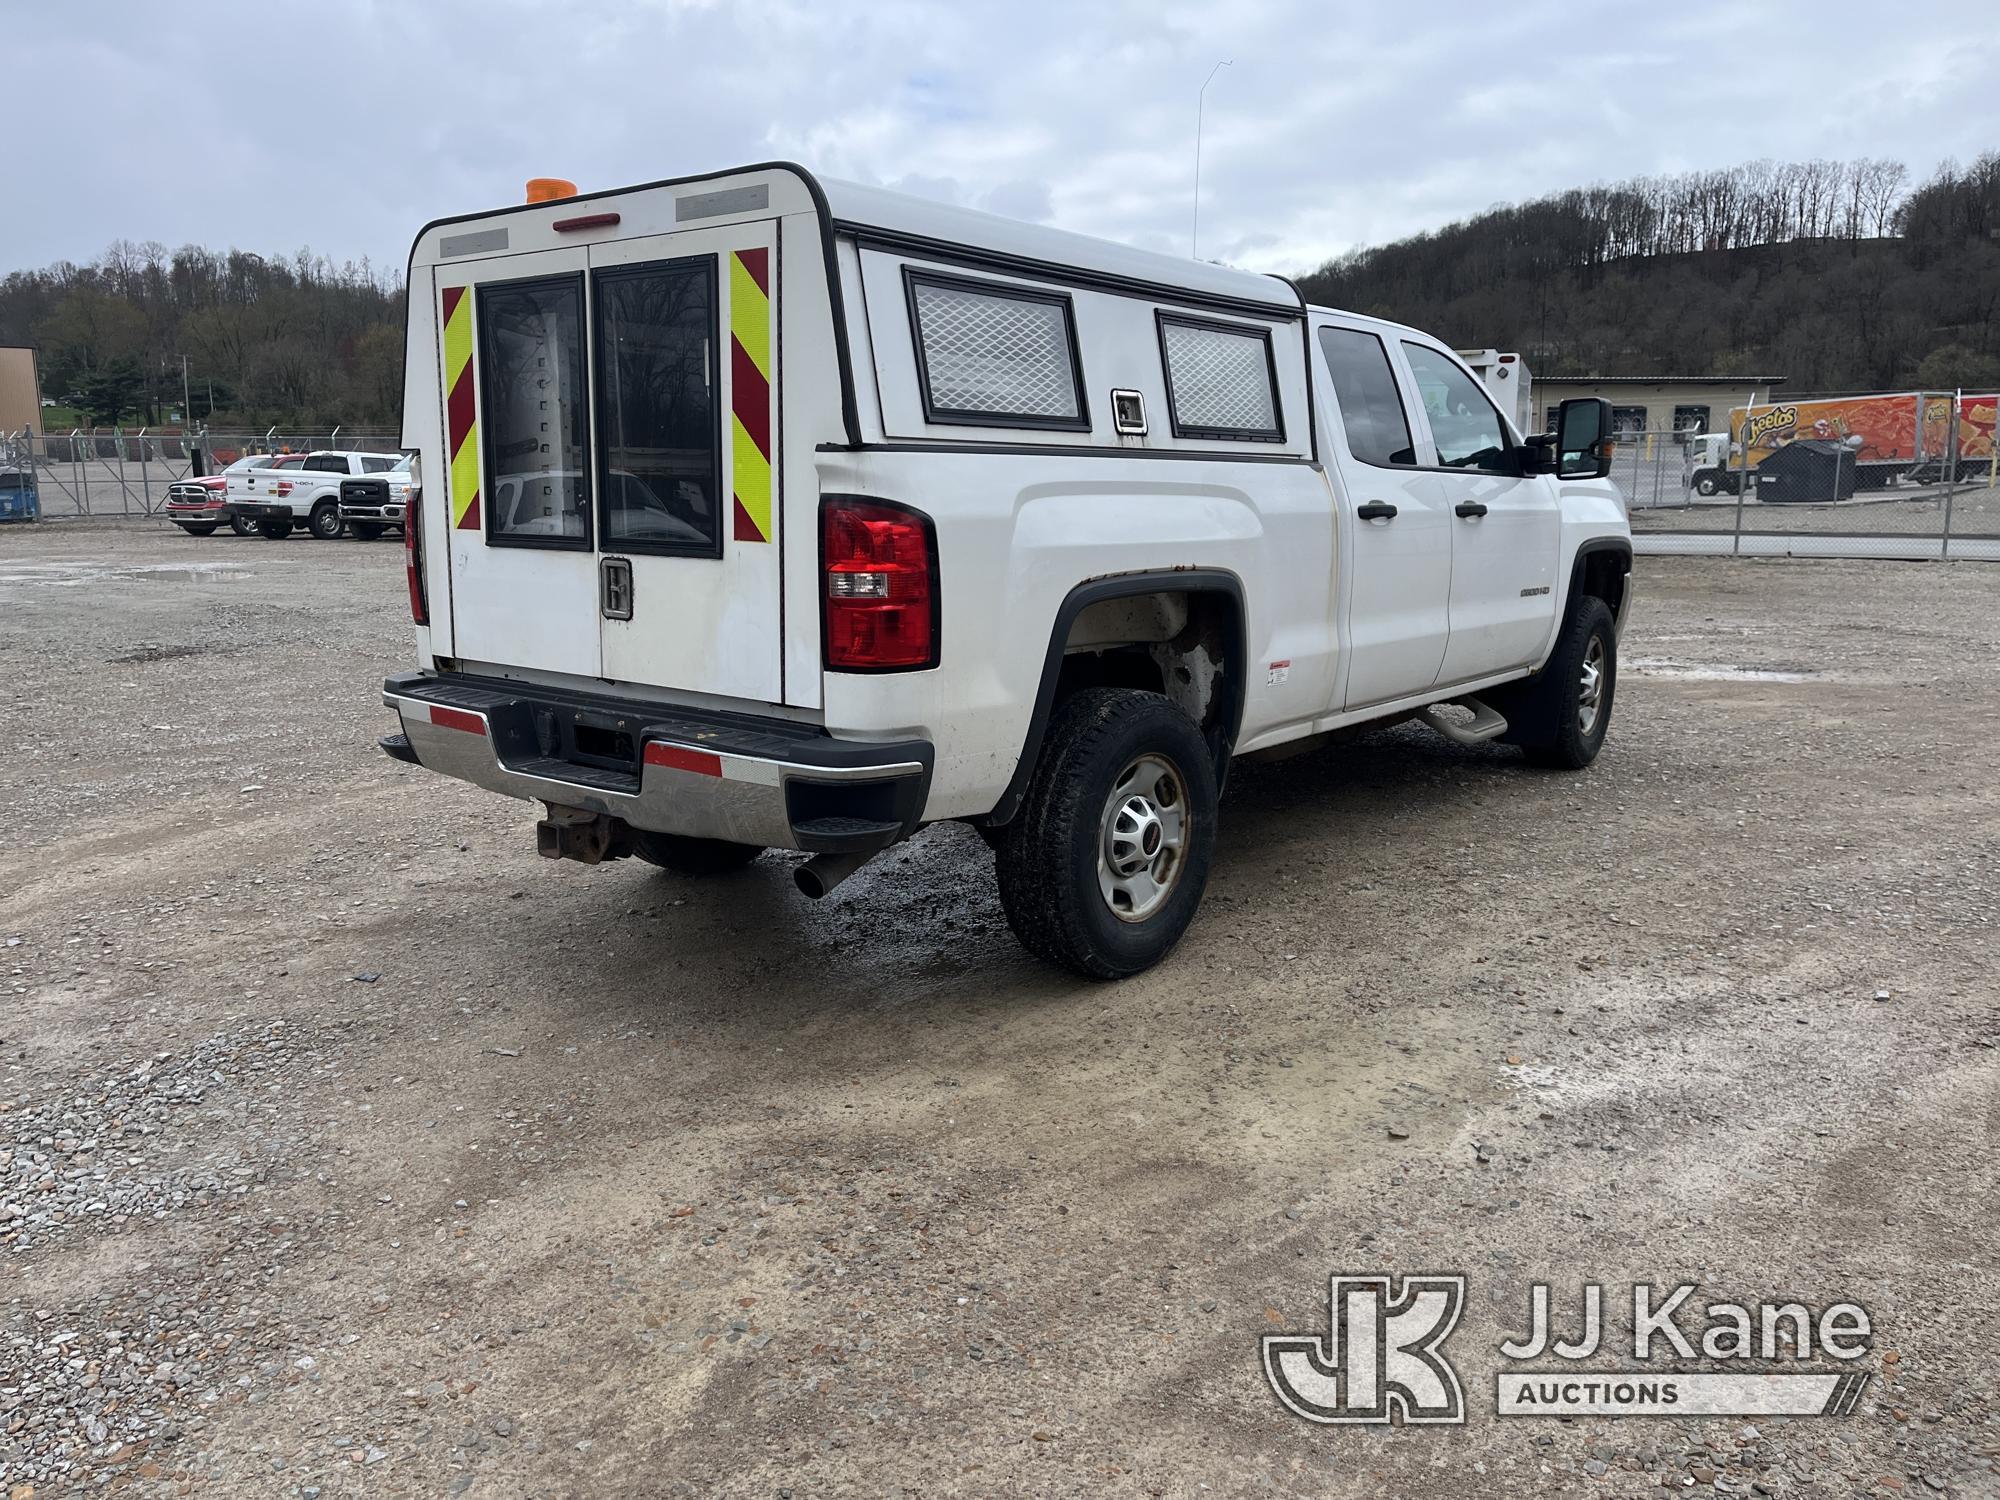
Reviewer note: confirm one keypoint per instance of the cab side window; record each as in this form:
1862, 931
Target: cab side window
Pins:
1371, 408
1464, 423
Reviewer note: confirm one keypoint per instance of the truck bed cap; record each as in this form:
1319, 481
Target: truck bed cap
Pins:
866, 212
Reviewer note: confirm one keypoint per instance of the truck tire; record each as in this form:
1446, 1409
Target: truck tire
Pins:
242, 526
1103, 866
368, 531
197, 528
1559, 716
274, 531
690, 856
1705, 485
325, 520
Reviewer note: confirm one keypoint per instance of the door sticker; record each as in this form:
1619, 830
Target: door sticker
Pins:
750, 392
461, 418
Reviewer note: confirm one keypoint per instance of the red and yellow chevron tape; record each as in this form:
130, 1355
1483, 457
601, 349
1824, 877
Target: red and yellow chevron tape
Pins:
461, 413
750, 392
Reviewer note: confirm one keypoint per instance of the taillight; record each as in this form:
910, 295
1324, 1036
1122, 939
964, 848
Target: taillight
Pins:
284, 488
413, 556
880, 562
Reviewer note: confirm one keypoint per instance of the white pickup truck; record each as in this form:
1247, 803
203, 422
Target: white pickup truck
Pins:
373, 503
760, 511
275, 500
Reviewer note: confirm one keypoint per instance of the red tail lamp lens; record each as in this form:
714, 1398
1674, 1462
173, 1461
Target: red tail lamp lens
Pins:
881, 586
413, 555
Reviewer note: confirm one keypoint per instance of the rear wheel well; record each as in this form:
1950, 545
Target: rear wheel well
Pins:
1181, 636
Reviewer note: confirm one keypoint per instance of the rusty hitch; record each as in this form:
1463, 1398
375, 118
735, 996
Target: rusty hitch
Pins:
587, 837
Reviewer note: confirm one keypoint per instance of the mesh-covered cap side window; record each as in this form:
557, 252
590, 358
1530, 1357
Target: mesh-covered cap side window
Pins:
1221, 382
995, 356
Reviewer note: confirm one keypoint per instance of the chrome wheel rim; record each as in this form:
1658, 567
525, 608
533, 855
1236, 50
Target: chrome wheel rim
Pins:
1142, 838
1590, 695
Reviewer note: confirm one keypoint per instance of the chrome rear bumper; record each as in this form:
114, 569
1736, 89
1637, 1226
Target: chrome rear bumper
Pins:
664, 767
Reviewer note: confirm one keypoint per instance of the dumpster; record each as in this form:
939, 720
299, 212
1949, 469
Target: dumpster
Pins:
1806, 471
19, 500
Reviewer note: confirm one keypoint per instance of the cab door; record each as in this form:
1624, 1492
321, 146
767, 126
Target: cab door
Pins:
513, 333
1395, 533
1505, 527
687, 462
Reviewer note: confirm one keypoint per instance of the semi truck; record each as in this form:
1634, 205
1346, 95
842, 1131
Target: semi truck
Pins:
1893, 435
1896, 436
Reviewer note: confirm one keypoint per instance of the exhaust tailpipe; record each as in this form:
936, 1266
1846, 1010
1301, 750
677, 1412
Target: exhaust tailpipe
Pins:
820, 874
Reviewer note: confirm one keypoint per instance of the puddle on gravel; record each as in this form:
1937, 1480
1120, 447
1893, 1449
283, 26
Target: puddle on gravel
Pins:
73, 574
1696, 671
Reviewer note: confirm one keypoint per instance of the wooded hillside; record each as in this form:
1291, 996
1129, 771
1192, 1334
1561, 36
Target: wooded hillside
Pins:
296, 341
1836, 276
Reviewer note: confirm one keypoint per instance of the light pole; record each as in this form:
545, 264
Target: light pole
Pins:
1201, 98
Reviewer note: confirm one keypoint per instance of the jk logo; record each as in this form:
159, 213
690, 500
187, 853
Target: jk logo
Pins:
1379, 1352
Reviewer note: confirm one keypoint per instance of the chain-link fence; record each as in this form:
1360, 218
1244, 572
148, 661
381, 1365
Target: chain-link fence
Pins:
115, 472
1908, 474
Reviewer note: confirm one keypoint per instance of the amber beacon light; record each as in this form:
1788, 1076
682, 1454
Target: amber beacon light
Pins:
548, 189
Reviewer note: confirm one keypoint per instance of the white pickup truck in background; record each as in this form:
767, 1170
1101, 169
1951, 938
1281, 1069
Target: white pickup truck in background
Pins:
373, 503
276, 500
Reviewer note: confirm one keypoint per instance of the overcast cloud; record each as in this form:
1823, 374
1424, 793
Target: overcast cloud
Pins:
345, 124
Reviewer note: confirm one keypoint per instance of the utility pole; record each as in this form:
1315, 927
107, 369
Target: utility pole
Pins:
1200, 99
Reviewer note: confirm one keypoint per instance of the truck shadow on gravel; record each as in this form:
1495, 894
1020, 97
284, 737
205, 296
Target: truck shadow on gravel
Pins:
922, 925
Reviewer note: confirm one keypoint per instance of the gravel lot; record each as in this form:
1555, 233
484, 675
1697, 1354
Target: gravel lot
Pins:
348, 1148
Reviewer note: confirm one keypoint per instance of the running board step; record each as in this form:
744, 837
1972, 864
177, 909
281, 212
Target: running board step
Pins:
1486, 723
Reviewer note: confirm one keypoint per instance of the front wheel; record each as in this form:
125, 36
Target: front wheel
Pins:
1103, 866
274, 531
198, 528
1559, 716
368, 531
691, 856
1705, 485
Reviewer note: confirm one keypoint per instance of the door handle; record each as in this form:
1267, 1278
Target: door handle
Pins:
1469, 508
1376, 510
615, 588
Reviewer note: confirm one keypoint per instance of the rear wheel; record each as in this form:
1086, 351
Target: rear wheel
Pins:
242, 526
1559, 717
325, 520
368, 531
1103, 866
690, 856
198, 528
275, 531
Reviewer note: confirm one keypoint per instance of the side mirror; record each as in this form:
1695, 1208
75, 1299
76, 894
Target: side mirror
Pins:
1583, 438
1538, 453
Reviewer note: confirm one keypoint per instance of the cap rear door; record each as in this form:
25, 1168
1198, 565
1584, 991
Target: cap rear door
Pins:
684, 329
513, 333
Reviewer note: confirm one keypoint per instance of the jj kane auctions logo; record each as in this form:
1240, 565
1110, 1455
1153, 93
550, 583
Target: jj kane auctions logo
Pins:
1382, 1357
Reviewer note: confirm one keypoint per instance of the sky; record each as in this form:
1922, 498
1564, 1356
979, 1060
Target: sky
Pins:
344, 125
